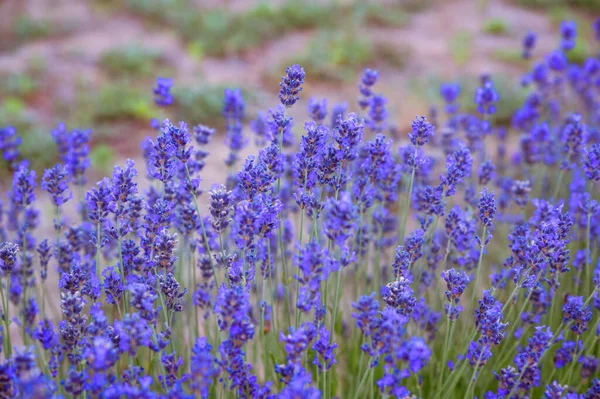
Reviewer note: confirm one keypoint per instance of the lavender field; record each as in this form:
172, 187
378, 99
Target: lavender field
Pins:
300, 235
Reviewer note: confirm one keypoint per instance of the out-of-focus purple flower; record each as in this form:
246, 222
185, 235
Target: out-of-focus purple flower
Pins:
367, 313
113, 286
486, 172
9, 144
564, 355
162, 92
591, 163
203, 368
203, 134
291, 85
317, 109
486, 98
341, 217
338, 110
568, 33
300, 386
324, 349
574, 135
529, 44
233, 105
378, 113
557, 60
367, 81
520, 191
450, 93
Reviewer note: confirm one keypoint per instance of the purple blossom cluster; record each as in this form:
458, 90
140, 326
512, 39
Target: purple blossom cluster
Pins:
322, 267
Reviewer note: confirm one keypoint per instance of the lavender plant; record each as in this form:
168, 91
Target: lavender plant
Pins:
341, 266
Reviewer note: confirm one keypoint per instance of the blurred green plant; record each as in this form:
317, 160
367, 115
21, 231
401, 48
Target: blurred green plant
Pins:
20, 84
131, 61
26, 28
496, 27
592, 5
460, 47
580, 52
117, 101
338, 55
217, 32
510, 56
511, 94
38, 147
102, 158
202, 104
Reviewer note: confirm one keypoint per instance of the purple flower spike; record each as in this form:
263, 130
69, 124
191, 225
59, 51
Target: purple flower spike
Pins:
162, 92
291, 85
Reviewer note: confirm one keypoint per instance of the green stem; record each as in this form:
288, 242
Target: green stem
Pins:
363, 379
407, 205
476, 285
5, 310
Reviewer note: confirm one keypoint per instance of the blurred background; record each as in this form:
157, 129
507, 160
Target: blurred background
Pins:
92, 63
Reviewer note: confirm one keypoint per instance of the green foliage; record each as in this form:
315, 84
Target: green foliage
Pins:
379, 15
591, 5
217, 32
12, 111
201, 104
460, 47
338, 55
496, 27
102, 158
511, 94
514, 57
120, 101
38, 147
580, 52
19, 85
131, 60
26, 28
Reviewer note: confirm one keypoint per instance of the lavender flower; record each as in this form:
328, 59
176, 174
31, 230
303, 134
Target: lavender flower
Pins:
486, 98
162, 92
421, 132
456, 282
450, 93
8, 256
399, 296
568, 33
220, 207
591, 163
54, 182
340, 219
291, 85
577, 314
487, 208
317, 109
528, 44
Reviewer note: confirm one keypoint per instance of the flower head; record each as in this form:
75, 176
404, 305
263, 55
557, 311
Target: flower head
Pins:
162, 92
291, 85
